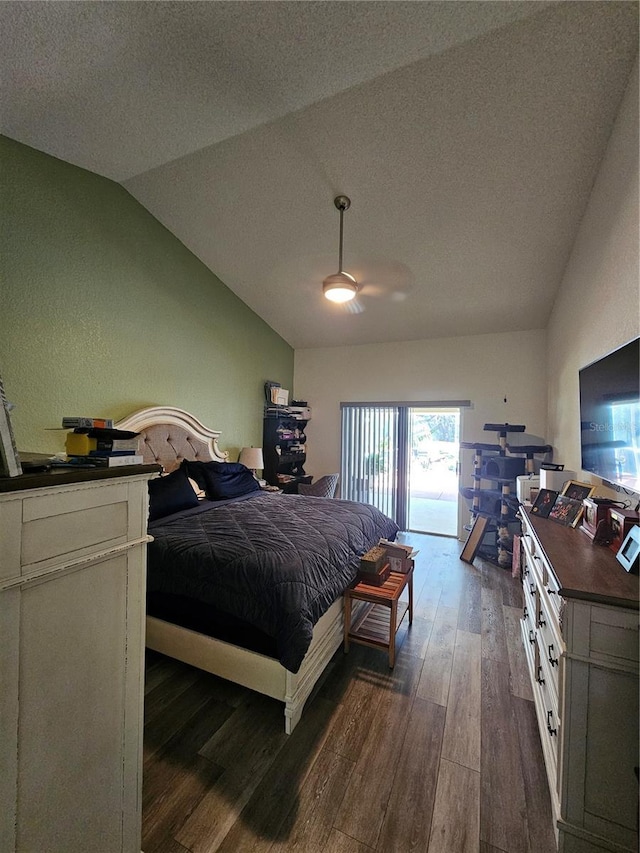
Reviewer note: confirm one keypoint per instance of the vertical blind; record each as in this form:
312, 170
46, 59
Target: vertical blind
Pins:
371, 456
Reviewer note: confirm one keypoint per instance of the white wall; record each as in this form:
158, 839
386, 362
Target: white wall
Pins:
598, 306
484, 369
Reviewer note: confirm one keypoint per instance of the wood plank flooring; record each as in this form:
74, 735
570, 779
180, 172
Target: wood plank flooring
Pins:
439, 755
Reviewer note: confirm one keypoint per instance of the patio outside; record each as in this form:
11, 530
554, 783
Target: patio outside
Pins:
433, 475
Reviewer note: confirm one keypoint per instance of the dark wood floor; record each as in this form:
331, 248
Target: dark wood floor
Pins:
440, 755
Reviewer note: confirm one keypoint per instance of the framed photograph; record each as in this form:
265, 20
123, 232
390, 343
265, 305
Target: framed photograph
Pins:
629, 554
567, 511
578, 491
9, 460
544, 502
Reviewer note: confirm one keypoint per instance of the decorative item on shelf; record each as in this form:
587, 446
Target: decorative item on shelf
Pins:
620, 522
578, 491
629, 552
374, 566
566, 511
544, 503
575, 491
374, 559
595, 519
251, 458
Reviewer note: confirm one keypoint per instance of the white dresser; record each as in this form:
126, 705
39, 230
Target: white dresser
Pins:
72, 583
580, 632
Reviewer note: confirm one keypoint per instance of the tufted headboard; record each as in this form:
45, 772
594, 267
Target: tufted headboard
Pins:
169, 435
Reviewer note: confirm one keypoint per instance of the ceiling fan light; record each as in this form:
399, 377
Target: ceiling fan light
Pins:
340, 287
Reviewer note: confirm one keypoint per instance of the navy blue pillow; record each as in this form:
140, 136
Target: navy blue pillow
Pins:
221, 480
170, 494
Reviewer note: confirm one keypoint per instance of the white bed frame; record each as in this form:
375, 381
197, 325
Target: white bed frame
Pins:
168, 435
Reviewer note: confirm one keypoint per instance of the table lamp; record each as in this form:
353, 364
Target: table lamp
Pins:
251, 457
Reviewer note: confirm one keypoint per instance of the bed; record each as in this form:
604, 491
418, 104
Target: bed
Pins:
248, 586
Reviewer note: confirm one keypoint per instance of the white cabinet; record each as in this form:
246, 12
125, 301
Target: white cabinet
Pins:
72, 583
580, 631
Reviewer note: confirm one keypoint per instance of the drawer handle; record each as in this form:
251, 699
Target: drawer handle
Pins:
525, 612
550, 729
539, 677
541, 620
553, 661
532, 588
551, 591
526, 570
532, 636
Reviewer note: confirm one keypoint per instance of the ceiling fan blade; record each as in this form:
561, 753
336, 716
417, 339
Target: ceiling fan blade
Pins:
388, 280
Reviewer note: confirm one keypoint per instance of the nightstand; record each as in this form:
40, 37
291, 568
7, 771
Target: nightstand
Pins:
377, 624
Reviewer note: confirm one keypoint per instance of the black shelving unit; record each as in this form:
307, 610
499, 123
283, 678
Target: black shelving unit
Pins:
284, 450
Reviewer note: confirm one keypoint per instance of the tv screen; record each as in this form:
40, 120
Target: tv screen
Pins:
610, 416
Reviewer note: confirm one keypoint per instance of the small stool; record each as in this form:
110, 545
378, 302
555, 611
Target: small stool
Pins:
371, 627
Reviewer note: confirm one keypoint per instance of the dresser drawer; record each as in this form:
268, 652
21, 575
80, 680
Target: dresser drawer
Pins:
602, 633
548, 724
71, 522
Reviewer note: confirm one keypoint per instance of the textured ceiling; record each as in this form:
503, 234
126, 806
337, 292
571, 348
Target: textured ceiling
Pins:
467, 135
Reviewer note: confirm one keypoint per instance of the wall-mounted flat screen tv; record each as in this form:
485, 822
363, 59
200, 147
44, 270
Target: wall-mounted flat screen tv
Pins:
610, 416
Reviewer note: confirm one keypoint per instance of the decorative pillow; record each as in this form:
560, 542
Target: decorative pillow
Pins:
221, 480
170, 494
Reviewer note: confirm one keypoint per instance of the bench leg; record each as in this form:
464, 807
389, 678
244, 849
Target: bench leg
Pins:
411, 599
393, 618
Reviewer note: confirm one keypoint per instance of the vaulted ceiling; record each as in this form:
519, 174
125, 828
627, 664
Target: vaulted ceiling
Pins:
467, 135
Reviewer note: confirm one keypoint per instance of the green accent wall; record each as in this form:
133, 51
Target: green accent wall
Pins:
103, 311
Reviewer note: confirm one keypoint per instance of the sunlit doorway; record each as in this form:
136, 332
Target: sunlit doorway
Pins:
434, 442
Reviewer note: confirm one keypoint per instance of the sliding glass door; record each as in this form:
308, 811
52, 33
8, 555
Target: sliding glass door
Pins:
434, 439
403, 459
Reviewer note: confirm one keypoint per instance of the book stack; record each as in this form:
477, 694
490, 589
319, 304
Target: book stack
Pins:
94, 442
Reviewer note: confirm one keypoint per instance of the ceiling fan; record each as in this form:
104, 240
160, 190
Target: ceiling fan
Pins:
342, 288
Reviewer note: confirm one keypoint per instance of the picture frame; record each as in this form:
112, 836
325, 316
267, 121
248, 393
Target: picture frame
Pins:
629, 553
567, 511
474, 539
10, 465
578, 491
543, 504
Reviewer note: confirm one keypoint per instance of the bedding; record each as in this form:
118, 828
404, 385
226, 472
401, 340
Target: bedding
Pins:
275, 561
170, 494
221, 480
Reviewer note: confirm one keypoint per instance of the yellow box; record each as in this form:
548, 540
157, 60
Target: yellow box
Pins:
79, 444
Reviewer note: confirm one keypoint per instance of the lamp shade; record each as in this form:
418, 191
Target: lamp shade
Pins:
251, 457
340, 287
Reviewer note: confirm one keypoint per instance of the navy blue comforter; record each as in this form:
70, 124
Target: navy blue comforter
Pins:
276, 561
